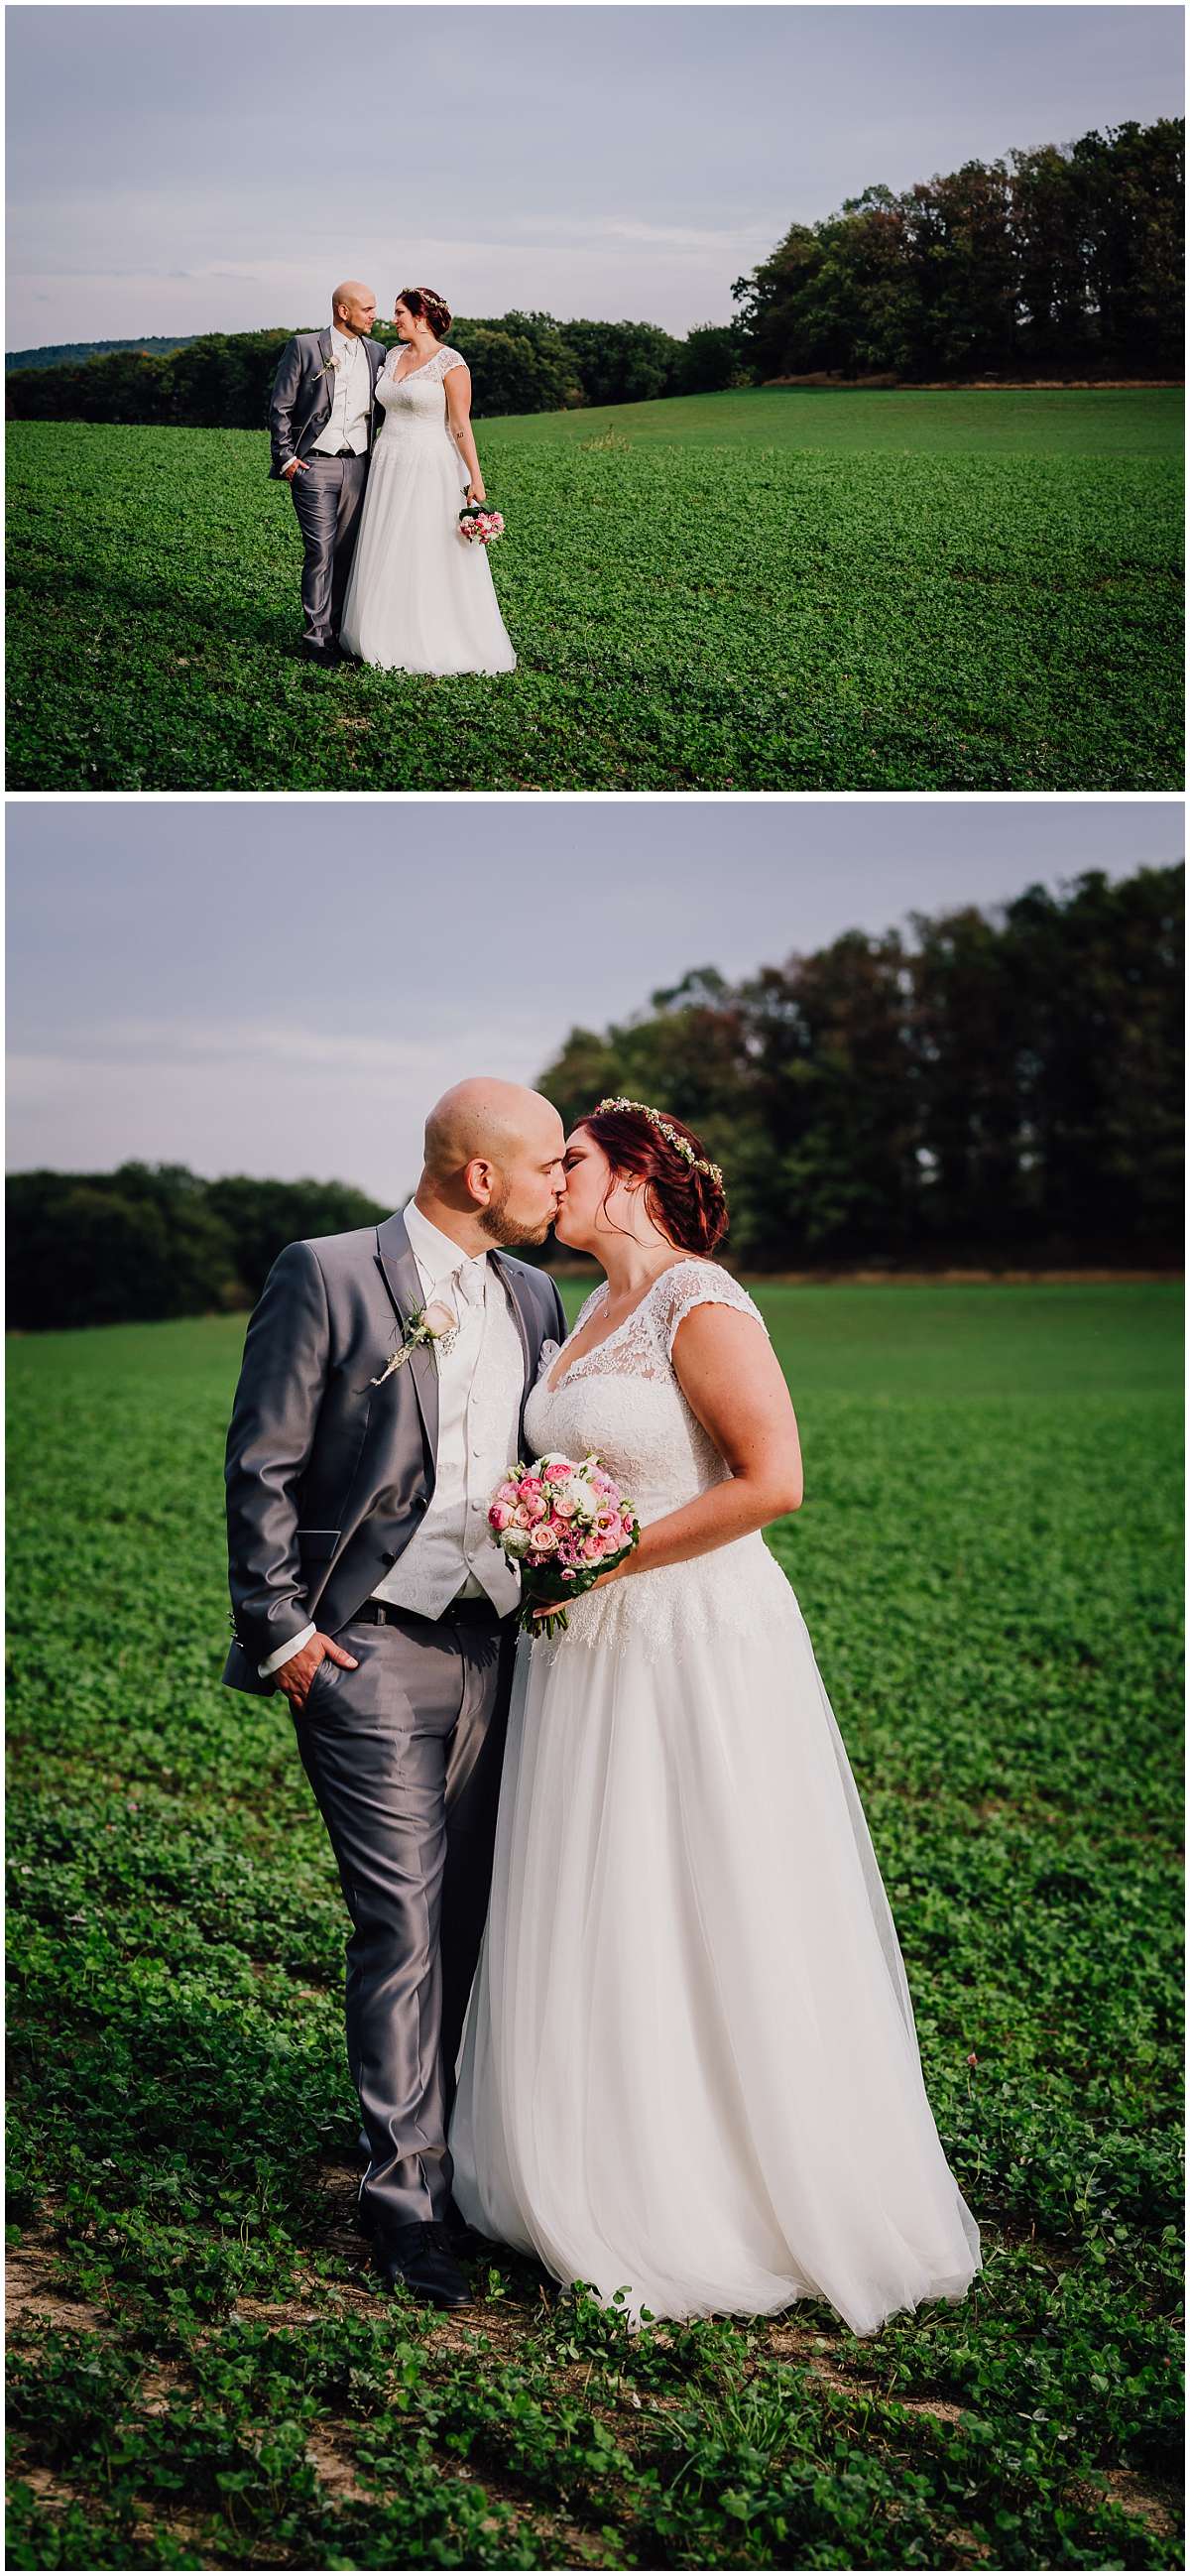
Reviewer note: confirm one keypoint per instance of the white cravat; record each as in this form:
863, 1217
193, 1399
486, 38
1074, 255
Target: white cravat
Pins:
348, 423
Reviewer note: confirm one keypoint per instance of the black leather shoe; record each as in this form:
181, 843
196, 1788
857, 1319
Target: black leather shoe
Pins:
326, 655
418, 2258
462, 2238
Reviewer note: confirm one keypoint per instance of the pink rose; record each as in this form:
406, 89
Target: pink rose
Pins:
537, 1507
593, 1547
543, 1540
500, 1516
519, 1518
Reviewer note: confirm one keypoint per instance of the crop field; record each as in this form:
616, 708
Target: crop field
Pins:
204, 2371
767, 591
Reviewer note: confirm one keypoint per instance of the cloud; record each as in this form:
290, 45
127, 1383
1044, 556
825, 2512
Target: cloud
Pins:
280, 1099
298, 1045
280, 1120
594, 229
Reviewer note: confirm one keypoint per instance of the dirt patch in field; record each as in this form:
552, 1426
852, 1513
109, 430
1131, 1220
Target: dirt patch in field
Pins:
937, 2406
30, 2295
335, 2469
1157, 2508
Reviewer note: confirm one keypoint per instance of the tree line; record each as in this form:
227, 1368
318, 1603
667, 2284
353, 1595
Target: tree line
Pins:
74, 353
1051, 260
997, 1087
151, 1241
520, 362
1060, 260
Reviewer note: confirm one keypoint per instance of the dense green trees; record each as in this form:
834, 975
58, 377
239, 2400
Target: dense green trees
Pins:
993, 1087
1052, 260
71, 353
153, 1240
519, 362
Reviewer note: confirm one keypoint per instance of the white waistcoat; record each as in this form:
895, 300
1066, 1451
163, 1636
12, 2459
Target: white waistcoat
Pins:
480, 1384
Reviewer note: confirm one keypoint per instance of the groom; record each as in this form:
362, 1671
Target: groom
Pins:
322, 421
366, 1587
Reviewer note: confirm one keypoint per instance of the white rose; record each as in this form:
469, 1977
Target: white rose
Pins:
516, 1542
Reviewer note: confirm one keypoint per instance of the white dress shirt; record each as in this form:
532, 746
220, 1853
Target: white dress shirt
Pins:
348, 423
481, 1380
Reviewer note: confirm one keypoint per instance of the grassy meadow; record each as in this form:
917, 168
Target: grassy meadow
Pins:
204, 2371
765, 590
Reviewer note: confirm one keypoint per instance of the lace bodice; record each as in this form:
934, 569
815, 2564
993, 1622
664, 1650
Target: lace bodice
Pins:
623, 1399
416, 400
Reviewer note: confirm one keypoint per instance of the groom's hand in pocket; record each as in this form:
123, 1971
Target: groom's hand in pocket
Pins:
296, 1676
289, 474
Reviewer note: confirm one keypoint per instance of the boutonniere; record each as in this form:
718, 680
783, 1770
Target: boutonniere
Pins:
427, 1324
334, 362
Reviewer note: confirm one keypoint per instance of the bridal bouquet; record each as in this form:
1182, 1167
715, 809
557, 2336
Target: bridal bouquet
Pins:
479, 525
564, 1524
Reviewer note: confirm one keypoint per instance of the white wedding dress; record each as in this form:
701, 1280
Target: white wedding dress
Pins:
419, 596
689, 2068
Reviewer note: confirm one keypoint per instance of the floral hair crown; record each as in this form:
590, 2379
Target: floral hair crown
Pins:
681, 1144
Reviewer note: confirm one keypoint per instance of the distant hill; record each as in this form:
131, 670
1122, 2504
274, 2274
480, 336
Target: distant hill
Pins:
71, 353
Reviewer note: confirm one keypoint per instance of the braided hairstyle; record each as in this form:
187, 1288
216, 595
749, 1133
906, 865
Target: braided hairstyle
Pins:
689, 1202
428, 308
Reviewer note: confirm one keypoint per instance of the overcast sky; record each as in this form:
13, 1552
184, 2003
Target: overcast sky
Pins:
186, 169
285, 989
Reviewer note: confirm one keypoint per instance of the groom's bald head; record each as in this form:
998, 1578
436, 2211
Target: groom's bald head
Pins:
487, 1121
493, 1154
353, 306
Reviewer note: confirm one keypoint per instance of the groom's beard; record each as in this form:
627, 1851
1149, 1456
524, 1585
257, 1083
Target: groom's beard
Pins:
505, 1230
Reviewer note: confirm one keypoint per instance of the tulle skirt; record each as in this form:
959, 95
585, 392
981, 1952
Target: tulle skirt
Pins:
419, 598
689, 2068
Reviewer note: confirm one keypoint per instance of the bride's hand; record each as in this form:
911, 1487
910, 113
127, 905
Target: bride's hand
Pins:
550, 1609
476, 493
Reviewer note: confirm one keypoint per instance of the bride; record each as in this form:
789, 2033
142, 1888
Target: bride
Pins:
690, 2068
419, 596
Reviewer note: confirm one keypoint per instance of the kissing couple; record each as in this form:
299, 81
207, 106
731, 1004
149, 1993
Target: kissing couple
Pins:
377, 448
678, 2060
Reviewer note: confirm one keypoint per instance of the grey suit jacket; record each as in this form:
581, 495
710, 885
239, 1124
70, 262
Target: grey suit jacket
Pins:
327, 1475
303, 393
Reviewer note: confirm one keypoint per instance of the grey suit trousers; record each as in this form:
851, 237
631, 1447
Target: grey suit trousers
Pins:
328, 496
404, 1759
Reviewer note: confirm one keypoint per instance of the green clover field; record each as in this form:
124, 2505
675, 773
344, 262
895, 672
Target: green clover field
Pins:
205, 2373
764, 590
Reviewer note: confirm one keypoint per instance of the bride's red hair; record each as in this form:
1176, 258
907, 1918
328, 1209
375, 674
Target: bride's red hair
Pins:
428, 307
689, 1204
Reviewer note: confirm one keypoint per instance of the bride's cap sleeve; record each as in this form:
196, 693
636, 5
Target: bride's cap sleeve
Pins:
451, 358
699, 1283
